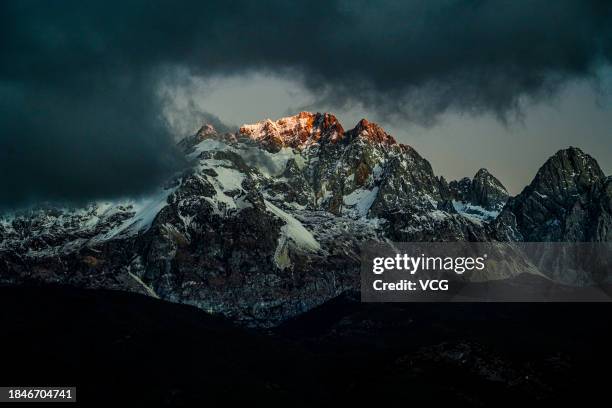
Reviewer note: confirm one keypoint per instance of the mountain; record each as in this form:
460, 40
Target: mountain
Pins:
482, 197
267, 222
570, 199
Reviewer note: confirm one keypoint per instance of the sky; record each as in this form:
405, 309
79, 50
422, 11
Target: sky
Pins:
93, 95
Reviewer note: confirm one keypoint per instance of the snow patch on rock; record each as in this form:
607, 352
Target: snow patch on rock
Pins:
294, 231
474, 213
359, 201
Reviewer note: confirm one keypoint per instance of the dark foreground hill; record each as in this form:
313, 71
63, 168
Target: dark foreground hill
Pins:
117, 346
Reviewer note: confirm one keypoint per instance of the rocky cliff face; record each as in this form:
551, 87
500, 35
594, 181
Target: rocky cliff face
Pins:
299, 131
482, 190
568, 200
266, 223
482, 197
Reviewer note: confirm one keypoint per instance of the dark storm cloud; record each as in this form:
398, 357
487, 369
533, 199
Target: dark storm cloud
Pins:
79, 114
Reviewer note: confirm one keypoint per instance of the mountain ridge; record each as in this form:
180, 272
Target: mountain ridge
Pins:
267, 222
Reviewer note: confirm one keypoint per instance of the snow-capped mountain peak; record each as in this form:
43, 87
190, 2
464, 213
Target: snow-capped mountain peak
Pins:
372, 132
297, 131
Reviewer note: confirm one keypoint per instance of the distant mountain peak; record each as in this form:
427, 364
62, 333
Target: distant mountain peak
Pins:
570, 169
206, 130
568, 200
482, 172
373, 132
297, 131
483, 190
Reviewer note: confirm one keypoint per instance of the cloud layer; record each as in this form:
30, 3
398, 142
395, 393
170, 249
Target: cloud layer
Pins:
80, 117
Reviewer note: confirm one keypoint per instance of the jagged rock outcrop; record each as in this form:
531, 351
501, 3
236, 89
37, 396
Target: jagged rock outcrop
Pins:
297, 131
568, 200
482, 196
461, 190
487, 191
482, 190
